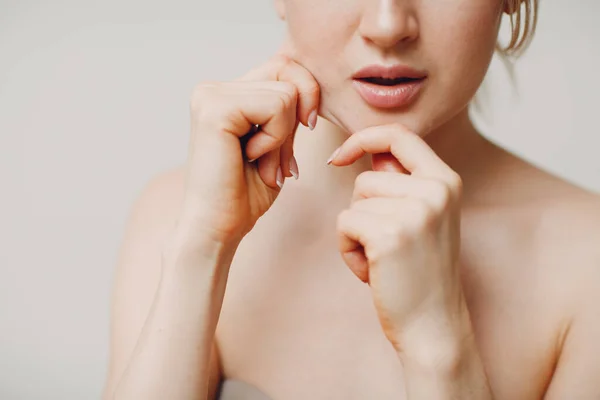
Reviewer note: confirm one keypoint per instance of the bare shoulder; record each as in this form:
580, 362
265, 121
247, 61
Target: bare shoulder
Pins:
568, 217
545, 231
566, 242
565, 223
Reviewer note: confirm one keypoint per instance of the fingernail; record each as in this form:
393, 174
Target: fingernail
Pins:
312, 120
279, 178
334, 155
251, 161
294, 168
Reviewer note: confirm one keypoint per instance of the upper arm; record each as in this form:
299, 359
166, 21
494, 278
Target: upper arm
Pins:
577, 374
138, 272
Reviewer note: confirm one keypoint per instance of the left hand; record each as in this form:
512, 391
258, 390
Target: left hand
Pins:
401, 235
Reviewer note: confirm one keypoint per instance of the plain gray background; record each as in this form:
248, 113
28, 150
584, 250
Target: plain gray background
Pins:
94, 102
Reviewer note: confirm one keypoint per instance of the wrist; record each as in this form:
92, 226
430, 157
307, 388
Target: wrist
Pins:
438, 345
442, 358
457, 372
185, 249
194, 274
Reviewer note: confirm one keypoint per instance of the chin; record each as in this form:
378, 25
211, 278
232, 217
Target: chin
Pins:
422, 117
357, 117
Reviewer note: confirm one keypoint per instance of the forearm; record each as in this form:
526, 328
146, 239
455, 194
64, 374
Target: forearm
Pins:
171, 358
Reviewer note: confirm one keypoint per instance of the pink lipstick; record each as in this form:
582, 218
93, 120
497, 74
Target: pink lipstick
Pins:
389, 87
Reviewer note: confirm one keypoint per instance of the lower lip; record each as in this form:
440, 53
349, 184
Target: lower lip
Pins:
396, 96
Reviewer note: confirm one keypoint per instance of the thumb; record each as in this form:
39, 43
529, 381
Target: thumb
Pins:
286, 48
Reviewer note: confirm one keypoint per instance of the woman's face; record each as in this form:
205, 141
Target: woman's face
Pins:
446, 44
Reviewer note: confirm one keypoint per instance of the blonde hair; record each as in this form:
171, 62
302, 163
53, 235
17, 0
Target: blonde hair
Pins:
523, 21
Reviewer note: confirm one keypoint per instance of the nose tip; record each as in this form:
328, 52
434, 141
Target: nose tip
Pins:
389, 24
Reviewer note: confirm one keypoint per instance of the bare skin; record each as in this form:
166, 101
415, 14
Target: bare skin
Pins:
482, 271
296, 323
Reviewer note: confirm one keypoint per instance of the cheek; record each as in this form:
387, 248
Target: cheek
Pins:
458, 45
310, 21
462, 44
456, 42
321, 33
320, 30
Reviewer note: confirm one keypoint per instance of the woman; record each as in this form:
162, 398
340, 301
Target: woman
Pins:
482, 272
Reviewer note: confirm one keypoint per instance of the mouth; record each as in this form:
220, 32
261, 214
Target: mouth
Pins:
389, 87
388, 81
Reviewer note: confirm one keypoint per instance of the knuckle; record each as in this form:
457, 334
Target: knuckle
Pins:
389, 241
362, 180
202, 94
281, 60
210, 108
359, 205
455, 182
342, 219
358, 194
398, 128
283, 104
292, 92
442, 195
287, 96
204, 89
377, 253
400, 234
360, 185
313, 89
425, 218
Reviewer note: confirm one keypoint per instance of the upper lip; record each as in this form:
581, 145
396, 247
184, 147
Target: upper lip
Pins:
389, 72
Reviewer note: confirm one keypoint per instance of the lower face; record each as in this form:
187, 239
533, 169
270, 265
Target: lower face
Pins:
447, 46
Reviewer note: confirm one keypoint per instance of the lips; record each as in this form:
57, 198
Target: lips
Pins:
388, 82
389, 87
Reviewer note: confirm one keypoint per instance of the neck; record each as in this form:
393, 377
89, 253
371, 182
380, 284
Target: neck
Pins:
460, 146
457, 142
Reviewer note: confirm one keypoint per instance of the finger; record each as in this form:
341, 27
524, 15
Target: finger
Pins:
353, 254
356, 230
286, 155
283, 68
357, 262
400, 221
370, 184
382, 206
396, 214
273, 108
245, 104
407, 147
268, 166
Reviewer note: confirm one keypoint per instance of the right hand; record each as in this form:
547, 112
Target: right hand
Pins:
225, 193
